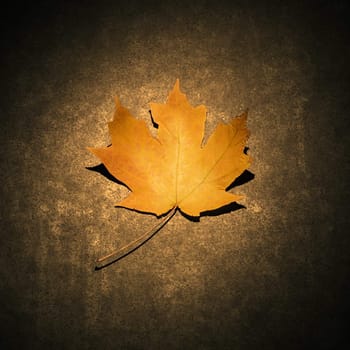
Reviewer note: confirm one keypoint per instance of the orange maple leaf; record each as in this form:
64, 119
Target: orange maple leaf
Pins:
173, 170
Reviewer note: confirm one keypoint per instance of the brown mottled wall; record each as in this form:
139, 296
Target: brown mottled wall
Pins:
270, 276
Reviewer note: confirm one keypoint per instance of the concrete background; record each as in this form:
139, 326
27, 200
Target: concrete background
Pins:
270, 276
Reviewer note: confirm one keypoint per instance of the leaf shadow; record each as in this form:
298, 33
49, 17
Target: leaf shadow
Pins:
101, 169
155, 125
242, 179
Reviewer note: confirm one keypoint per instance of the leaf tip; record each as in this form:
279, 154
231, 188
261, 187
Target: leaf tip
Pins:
117, 102
244, 115
176, 96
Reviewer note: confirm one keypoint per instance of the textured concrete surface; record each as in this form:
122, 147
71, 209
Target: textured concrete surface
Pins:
271, 276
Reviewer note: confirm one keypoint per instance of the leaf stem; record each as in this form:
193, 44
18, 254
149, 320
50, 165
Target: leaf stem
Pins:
132, 246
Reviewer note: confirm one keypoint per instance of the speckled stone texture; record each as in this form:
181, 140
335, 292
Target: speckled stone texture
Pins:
270, 276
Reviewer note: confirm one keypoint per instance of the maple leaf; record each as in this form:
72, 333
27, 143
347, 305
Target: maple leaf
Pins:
173, 170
